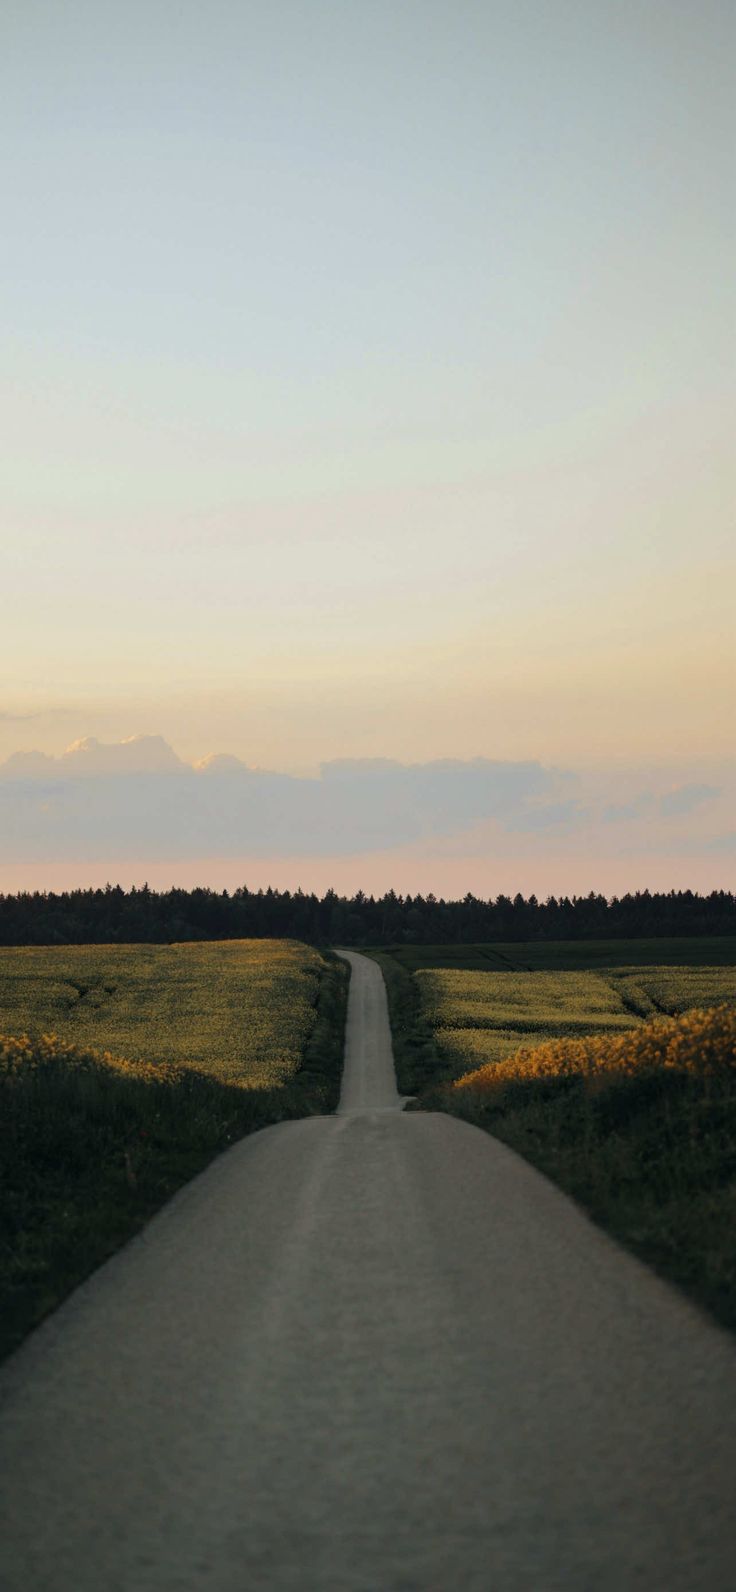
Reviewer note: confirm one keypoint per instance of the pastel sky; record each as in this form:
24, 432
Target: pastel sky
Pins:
367, 392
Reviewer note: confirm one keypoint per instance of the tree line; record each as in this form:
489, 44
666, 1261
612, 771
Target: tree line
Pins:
116, 916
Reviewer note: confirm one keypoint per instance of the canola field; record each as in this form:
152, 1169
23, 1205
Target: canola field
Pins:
485, 1017
700, 1042
239, 1010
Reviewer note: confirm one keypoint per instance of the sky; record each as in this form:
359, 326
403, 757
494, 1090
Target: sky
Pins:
367, 393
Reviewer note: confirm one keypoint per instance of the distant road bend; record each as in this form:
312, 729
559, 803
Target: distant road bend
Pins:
373, 1352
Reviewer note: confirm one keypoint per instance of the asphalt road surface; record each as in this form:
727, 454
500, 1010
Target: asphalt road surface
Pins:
373, 1352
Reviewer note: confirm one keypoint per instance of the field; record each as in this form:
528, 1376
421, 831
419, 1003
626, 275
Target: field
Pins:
477, 1017
444, 1028
700, 1043
124, 1069
571, 955
241, 1010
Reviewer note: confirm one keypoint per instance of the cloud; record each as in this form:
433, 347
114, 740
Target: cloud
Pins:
137, 798
28, 765
90, 758
137, 801
139, 754
679, 803
538, 815
723, 843
625, 812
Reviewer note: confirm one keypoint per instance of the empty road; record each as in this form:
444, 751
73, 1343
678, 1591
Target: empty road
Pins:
373, 1352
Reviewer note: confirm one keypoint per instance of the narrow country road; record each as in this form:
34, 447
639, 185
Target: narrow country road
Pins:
373, 1352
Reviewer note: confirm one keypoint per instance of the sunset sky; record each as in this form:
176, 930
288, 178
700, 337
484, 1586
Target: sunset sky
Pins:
367, 392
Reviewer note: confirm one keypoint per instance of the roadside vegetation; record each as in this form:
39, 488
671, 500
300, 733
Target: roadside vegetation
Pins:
155, 1059
418, 1062
619, 1084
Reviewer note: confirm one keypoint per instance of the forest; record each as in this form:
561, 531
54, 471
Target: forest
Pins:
113, 915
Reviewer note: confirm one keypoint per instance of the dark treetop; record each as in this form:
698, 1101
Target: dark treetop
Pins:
114, 915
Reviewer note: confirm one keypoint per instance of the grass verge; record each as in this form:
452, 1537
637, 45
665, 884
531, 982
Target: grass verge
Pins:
640, 1129
94, 1145
649, 1151
417, 1059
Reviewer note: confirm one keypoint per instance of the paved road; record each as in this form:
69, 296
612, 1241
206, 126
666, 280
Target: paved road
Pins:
373, 1352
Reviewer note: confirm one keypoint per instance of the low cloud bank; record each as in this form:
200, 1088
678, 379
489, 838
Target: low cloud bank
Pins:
136, 800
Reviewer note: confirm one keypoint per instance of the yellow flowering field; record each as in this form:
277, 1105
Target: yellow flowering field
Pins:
480, 1017
458, 999
471, 1047
701, 1042
241, 1010
21, 1056
674, 989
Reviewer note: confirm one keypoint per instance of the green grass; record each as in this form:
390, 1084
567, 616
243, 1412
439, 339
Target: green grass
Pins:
543, 955
418, 1063
640, 1129
652, 1162
92, 1145
482, 958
